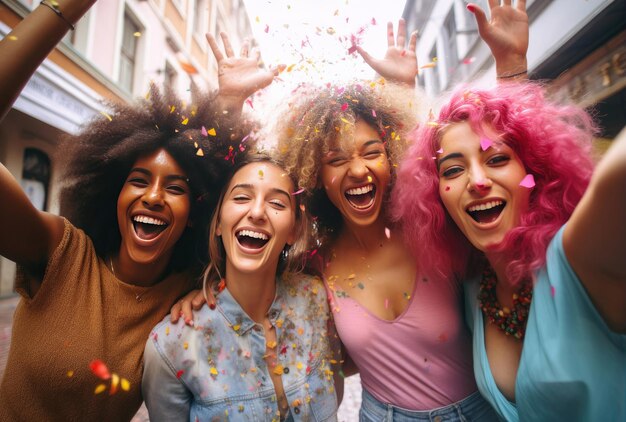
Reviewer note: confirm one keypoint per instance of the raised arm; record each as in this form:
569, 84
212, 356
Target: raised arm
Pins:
28, 236
506, 34
30, 42
400, 63
238, 77
594, 239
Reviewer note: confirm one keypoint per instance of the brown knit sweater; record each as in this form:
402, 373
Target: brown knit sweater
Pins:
80, 313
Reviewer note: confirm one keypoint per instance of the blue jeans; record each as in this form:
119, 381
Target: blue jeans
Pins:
471, 408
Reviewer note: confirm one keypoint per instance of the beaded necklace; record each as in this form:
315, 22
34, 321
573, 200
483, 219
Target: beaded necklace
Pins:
510, 322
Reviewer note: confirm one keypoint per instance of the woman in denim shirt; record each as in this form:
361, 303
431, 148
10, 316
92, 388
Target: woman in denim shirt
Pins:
265, 353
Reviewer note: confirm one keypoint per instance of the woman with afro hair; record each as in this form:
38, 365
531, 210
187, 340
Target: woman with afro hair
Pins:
138, 191
499, 192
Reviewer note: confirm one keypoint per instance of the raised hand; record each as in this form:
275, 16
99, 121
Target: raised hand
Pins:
238, 77
400, 63
506, 34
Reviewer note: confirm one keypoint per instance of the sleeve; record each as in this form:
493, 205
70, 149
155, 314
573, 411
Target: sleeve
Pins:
166, 397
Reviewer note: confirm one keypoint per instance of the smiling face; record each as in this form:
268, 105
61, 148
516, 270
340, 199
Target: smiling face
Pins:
257, 218
356, 174
153, 209
481, 188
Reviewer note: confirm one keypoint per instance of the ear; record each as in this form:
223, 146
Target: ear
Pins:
293, 234
218, 229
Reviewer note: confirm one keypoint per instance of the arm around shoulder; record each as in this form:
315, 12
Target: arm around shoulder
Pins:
594, 239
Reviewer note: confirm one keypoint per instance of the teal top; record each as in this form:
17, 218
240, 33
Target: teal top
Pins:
572, 368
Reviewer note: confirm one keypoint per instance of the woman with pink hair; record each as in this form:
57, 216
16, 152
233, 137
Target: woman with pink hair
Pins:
499, 187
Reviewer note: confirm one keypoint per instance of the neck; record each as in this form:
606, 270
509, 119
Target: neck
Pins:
504, 288
254, 292
131, 272
367, 238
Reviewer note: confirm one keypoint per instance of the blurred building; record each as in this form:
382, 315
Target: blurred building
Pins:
117, 49
577, 46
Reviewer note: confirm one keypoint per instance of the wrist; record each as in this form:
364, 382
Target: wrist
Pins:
512, 65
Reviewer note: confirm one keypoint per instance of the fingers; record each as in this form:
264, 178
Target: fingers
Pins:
368, 59
198, 301
277, 69
493, 3
214, 47
401, 33
507, 2
413, 42
481, 18
521, 5
175, 312
187, 312
390, 39
245, 47
228, 49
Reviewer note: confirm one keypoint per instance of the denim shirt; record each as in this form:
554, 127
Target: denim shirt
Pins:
215, 371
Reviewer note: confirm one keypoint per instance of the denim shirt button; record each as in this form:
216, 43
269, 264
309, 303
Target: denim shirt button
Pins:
296, 410
286, 370
257, 328
273, 313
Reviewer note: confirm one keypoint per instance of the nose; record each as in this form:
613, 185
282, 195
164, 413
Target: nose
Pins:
357, 168
257, 210
479, 180
153, 197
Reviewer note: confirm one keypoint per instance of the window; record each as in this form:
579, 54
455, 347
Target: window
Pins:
452, 52
200, 17
36, 177
170, 75
128, 54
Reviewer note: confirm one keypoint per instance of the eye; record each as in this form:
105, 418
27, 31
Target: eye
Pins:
452, 172
373, 154
177, 189
336, 160
240, 198
278, 204
499, 160
137, 181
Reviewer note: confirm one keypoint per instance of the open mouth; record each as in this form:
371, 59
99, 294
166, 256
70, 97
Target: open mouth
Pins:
148, 228
487, 212
362, 197
252, 239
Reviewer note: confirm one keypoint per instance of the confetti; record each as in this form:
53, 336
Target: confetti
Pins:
387, 233
373, 112
406, 295
70, 374
99, 369
137, 34
200, 153
278, 369
428, 65
167, 330
298, 192
552, 290
115, 381
528, 181
185, 121
373, 21
211, 132
271, 344
100, 388
236, 327
12, 38
180, 373
172, 109
344, 106
267, 29
213, 371
439, 151
107, 116
352, 49
125, 384
185, 345
485, 143
260, 174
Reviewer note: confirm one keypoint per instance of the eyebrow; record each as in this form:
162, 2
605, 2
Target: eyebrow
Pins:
449, 157
168, 177
250, 186
365, 145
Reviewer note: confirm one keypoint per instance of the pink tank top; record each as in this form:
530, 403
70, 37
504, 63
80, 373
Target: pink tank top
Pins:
422, 360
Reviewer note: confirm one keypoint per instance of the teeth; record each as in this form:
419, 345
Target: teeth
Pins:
149, 220
255, 235
486, 206
361, 190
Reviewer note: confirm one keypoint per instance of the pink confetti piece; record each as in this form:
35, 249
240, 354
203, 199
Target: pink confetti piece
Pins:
373, 112
249, 102
485, 143
440, 151
344, 106
373, 21
267, 29
204, 131
298, 192
528, 181
387, 233
469, 60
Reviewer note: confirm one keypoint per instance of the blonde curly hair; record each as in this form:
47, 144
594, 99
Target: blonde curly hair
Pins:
320, 118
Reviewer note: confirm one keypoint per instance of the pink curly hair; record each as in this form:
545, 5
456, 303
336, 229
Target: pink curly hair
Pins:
553, 142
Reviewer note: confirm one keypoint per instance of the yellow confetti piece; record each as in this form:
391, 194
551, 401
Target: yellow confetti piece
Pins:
279, 323
369, 179
185, 121
278, 369
12, 38
211, 132
107, 116
100, 388
236, 327
271, 344
261, 174
433, 124
257, 19
70, 374
115, 381
299, 365
185, 345
200, 153
137, 34
172, 109
290, 67
125, 384
345, 121
167, 330
213, 371
352, 276
428, 65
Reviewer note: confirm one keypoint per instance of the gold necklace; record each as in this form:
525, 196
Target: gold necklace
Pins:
138, 296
